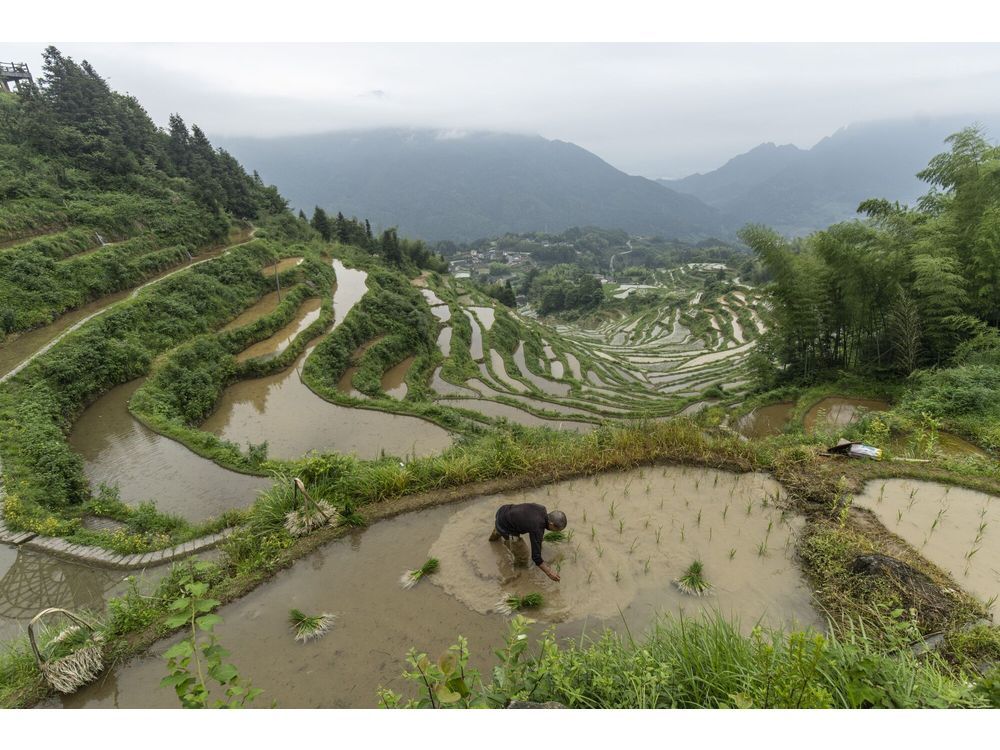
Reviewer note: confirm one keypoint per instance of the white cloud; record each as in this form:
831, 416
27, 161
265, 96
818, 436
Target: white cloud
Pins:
657, 110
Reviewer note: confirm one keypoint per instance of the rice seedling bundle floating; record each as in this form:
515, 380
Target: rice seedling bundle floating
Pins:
71, 659
692, 581
512, 602
309, 627
410, 578
554, 536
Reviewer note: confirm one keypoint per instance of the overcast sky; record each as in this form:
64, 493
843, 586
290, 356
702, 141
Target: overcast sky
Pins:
655, 110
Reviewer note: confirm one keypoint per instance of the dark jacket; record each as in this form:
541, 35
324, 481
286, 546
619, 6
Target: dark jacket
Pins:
524, 518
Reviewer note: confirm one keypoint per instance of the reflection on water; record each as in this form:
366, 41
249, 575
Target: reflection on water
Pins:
119, 450
393, 380
476, 345
282, 339
954, 528
378, 621
32, 581
486, 315
281, 410
544, 384
840, 412
766, 420
444, 341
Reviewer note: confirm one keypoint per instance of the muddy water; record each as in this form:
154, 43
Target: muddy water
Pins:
117, 449
293, 420
543, 384
574, 366
947, 444
518, 416
766, 420
264, 306
557, 368
705, 359
346, 384
281, 266
431, 297
444, 341
476, 347
496, 360
31, 581
282, 339
841, 411
486, 316
956, 529
378, 621
442, 313
393, 378
445, 388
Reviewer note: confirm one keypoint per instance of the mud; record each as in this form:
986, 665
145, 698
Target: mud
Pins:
274, 345
766, 420
357, 578
264, 306
956, 529
393, 380
119, 450
840, 411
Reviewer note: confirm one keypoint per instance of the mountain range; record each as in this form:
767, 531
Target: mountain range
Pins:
796, 191
439, 185
464, 186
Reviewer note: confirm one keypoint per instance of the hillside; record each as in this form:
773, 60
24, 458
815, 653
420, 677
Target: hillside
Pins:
439, 186
797, 191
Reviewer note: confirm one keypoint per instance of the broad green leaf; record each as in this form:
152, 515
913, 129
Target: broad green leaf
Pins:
179, 650
179, 604
206, 605
444, 695
207, 622
224, 673
447, 662
175, 621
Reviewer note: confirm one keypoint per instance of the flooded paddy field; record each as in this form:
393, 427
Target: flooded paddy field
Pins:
119, 450
955, 528
378, 621
275, 344
765, 421
31, 581
839, 411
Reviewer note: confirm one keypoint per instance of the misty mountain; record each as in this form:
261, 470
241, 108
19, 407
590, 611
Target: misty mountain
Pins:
463, 186
798, 190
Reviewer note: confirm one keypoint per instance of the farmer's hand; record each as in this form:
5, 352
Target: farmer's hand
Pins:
549, 572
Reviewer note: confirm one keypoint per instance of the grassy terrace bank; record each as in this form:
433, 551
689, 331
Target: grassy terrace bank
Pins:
819, 488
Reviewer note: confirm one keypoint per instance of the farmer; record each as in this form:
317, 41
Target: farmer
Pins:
531, 519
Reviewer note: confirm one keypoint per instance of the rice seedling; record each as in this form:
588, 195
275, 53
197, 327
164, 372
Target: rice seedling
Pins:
645, 566
972, 551
709, 533
302, 521
621, 526
410, 578
590, 576
732, 552
881, 494
569, 535
692, 580
611, 509
770, 526
716, 482
593, 532
899, 516
649, 488
618, 576
555, 537
309, 627
697, 482
749, 506
762, 549
635, 543
512, 602
661, 503
645, 524
725, 512
600, 550
585, 515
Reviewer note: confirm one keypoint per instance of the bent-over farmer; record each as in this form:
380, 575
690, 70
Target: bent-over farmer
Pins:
531, 519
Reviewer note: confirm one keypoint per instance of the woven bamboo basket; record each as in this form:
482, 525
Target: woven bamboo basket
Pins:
69, 672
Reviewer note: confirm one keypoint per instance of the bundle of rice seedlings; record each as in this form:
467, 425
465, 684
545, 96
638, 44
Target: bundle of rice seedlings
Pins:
693, 581
410, 577
512, 602
71, 659
307, 627
302, 521
554, 536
